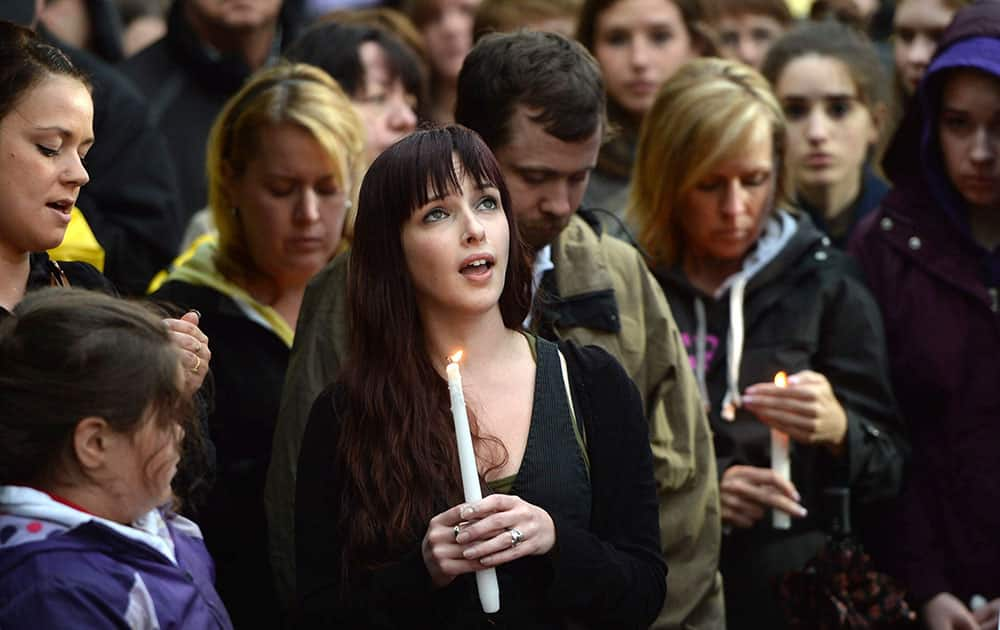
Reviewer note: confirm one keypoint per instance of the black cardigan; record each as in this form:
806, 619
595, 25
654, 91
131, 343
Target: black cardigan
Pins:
609, 575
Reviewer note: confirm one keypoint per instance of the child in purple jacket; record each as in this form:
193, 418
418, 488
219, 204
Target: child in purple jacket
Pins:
91, 422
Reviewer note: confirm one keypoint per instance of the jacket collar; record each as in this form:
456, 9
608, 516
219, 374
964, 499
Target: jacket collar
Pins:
199, 269
918, 231
873, 190
578, 291
28, 515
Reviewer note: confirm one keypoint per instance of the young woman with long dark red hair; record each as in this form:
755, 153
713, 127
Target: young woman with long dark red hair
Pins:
570, 517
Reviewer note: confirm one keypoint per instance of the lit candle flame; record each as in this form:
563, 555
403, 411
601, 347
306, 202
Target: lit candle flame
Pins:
781, 379
455, 358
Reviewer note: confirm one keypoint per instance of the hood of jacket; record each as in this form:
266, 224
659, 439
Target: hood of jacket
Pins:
198, 268
30, 516
786, 238
913, 161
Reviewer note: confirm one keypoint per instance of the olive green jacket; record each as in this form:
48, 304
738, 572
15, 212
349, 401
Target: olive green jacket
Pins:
600, 292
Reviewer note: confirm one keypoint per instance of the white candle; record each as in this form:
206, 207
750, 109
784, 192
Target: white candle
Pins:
780, 463
486, 579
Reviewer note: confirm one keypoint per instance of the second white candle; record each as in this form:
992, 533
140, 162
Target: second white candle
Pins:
780, 463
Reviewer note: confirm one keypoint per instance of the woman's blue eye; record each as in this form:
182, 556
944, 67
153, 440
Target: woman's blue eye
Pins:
489, 203
435, 214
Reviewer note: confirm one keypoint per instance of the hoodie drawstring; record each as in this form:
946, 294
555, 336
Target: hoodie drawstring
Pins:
699, 350
734, 348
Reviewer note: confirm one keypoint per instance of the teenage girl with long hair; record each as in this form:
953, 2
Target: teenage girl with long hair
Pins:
570, 517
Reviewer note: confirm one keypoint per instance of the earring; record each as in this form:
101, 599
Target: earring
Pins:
348, 204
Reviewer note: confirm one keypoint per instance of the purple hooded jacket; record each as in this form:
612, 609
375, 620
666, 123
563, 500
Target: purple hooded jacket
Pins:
61, 568
938, 291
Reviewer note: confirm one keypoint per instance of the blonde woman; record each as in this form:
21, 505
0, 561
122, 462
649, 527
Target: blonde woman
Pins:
755, 289
283, 159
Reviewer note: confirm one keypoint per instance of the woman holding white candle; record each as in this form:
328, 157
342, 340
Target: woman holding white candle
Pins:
570, 517
756, 289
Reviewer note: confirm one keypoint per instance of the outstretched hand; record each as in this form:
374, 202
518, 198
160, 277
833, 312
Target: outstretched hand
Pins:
806, 410
471, 537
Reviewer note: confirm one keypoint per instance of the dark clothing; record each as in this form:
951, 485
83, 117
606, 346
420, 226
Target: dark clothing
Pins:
106, 30
187, 84
46, 273
248, 369
131, 201
938, 289
804, 309
608, 572
554, 469
840, 229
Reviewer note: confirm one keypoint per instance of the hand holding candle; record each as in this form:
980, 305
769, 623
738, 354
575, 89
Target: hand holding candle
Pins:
780, 463
486, 579
803, 406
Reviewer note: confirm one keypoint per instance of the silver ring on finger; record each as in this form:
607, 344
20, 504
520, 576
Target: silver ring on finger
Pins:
515, 536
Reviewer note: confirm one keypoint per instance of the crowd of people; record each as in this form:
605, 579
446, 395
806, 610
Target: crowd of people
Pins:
709, 264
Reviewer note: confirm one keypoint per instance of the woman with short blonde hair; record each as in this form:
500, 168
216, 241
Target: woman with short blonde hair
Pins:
709, 110
756, 289
290, 93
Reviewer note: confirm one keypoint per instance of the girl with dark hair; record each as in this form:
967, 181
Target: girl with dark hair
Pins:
639, 44
91, 424
830, 84
380, 74
446, 26
41, 93
932, 258
46, 130
917, 26
382, 535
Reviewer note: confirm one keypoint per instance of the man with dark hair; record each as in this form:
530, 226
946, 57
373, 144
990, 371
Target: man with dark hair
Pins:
538, 101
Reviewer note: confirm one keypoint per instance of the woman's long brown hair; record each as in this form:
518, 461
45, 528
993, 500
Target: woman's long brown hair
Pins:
397, 462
